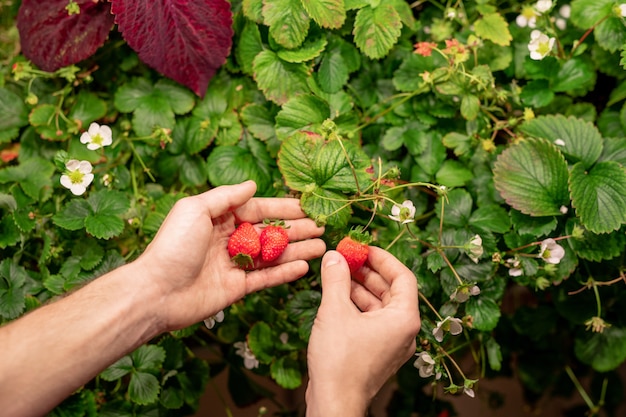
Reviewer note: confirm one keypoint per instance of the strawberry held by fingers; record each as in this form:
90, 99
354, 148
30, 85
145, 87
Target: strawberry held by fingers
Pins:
354, 247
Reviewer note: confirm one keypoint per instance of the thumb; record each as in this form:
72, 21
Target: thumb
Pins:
336, 282
226, 198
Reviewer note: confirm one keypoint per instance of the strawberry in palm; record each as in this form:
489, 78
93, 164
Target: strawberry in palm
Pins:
244, 245
274, 240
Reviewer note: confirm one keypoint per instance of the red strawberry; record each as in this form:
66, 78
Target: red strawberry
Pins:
354, 248
274, 240
244, 246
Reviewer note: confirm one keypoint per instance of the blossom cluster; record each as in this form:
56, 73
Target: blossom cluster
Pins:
78, 174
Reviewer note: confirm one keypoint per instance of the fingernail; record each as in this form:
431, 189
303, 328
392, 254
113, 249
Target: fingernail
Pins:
331, 258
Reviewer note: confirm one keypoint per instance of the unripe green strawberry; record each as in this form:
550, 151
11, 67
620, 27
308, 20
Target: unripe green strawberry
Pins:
274, 240
244, 246
354, 248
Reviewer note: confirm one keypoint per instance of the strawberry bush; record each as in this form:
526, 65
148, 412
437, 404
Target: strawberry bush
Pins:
481, 142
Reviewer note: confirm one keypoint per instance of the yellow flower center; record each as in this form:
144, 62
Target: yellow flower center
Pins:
97, 139
76, 177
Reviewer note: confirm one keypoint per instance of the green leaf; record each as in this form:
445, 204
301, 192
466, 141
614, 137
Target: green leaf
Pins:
494, 354
532, 177
302, 308
259, 121
460, 143
286, 372
261, 342
430, 156
233, 164
610, 34
252, 9
604, 351
491, 217
332, 73
457, 208
307, 160
309, 50
34, 177
332, 206
148, 358
537, 93
576, 74
599, 195
87, 108
587, 13
495, 28
301, 112
104, 221
288, 21
453, 174
13, 115
12, 291
249, 46
279, 80
470, 106
484, 311
73, 215
614, 150
118, 369
407, 77
579, 140
376, 30
180, 99
143, 388
596, 247
329, 14
89, 252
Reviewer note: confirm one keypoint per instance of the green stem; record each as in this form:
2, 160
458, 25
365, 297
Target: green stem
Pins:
580, 388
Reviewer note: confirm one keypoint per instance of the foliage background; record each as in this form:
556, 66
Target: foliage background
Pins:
328, 101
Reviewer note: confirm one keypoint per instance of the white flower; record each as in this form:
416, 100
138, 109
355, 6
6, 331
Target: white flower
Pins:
551, 252
404, 213
543, 6
515, 270
468, 391
77, 177
475, 290
559, 142
540, 45
284, 338
217, 318
449, 324
621, 9
563, 209
565, 11
97, 136
425, 364
528, 17
463, 292
475, 248
560, 23
249, 360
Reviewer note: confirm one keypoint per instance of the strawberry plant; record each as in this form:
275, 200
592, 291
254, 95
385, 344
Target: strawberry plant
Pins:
481, 142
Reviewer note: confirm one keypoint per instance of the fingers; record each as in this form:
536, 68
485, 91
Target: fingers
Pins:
275, 275
225, 198
336, 281
258, 209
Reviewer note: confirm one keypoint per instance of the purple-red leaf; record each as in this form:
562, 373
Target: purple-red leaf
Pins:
185, 40
52, 38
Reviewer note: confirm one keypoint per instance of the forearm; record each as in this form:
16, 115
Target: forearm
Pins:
52, 351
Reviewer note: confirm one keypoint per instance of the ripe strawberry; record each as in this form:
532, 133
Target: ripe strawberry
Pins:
274, 240
244, 246
354, 248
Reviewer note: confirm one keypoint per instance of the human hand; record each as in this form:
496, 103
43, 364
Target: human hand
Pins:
188, 265
362, 334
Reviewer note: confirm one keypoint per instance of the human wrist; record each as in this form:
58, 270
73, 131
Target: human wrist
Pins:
323, 400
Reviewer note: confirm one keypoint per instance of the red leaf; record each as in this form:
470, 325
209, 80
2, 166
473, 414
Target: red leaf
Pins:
185, 40
53, 39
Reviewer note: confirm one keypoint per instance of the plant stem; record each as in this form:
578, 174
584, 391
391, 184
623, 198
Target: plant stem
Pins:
580, 388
